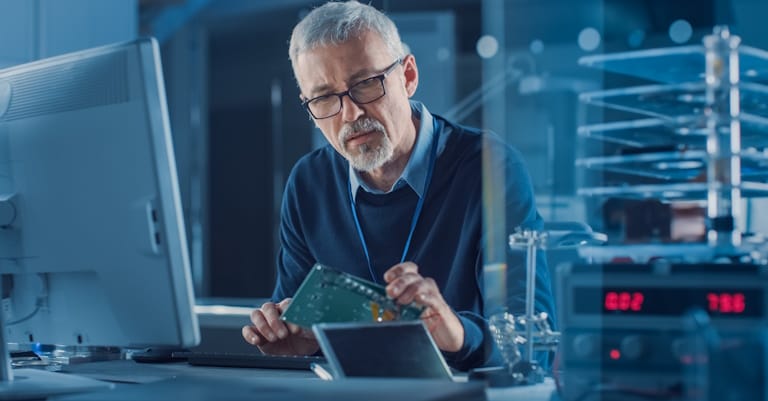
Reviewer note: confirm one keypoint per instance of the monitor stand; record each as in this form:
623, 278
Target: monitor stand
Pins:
34, 384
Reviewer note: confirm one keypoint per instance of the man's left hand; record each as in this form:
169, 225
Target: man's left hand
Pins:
406, 285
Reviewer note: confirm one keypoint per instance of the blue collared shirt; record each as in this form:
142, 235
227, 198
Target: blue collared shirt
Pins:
415, 172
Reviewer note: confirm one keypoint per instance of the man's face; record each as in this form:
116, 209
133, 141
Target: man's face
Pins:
368, 135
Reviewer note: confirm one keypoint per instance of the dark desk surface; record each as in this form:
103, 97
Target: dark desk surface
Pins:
181, 382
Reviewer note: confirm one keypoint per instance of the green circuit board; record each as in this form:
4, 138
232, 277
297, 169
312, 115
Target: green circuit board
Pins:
328, 296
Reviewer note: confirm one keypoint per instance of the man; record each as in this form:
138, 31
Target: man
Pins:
395, 198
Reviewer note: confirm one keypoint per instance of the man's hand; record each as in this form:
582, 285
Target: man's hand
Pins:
406, 285
276, 337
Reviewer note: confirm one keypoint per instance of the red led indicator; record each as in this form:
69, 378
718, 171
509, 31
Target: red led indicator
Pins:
623, 301
726, 303
614, 354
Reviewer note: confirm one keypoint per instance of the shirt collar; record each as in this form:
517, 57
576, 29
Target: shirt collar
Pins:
415, 172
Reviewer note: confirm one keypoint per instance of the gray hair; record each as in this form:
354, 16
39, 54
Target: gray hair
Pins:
334, 23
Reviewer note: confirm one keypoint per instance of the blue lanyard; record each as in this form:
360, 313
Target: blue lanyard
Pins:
416, 213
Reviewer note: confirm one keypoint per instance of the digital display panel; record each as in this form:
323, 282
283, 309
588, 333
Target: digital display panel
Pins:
671, 301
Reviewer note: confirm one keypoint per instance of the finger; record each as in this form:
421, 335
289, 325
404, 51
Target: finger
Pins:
424, 293
257, 311
252, 337
429, 296
272, 315
293, 328
400, 269
408, 294
283, 305
306, 333
400, 284
261, 326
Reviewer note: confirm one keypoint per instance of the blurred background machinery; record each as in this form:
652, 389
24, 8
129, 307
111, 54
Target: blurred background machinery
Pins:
683, 284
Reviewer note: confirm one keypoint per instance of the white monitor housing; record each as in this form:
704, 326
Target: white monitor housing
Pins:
93, 249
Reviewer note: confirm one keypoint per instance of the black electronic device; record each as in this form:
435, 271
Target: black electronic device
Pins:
249, 360
388, 349
159, 355
634, 326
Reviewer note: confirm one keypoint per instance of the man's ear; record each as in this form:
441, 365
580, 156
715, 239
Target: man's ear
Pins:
411, 73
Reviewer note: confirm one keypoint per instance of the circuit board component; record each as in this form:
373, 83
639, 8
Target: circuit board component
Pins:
329, 296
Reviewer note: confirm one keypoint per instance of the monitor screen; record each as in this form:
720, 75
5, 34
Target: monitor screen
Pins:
92, 241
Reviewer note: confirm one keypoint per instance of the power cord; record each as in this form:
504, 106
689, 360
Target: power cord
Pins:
40, 302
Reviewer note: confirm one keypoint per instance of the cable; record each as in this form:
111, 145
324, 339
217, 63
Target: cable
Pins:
40, 302
25, 318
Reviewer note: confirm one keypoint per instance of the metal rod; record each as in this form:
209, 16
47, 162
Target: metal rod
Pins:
722, 113
494, 229
530, 292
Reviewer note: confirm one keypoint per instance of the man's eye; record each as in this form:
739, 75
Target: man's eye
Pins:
322, 99
367, 82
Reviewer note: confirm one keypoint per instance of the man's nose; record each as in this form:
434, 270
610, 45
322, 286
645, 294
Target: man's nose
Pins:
350, 111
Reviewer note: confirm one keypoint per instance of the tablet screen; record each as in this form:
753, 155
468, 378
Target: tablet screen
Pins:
390, 349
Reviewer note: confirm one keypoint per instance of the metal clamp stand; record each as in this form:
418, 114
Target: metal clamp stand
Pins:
521, 368
531, 241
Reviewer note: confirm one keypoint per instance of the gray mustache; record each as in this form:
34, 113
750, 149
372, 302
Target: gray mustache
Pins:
365, 124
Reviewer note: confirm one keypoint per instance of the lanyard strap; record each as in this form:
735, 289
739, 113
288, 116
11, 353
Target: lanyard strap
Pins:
416, 213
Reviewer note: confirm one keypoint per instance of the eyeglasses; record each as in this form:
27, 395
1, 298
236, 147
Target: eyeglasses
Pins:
366, 91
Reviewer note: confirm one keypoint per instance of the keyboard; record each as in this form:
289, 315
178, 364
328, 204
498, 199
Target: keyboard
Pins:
245, 360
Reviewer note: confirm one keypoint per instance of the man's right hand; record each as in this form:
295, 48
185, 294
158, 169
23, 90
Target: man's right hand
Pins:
276, 337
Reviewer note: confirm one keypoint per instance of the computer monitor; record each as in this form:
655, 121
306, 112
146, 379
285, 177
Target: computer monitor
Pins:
93, 249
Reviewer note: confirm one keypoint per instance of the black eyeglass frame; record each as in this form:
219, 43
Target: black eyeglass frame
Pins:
348, 92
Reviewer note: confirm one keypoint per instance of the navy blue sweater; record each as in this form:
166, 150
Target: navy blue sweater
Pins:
317, 226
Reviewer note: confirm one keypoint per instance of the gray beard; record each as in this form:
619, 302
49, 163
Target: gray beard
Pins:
366, 158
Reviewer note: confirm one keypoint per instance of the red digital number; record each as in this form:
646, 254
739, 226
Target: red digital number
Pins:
739, 303
623, 301
726, 302
714, 302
